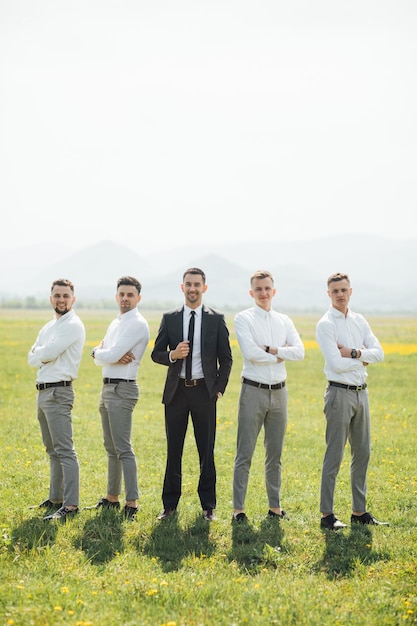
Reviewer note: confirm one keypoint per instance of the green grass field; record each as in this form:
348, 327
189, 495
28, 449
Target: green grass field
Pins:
101, 570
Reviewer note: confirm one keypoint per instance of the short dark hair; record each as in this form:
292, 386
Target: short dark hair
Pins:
261, 274
62, 282
194, 270
129, 280
334, 278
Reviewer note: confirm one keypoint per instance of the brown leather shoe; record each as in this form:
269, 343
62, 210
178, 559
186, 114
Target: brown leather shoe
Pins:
209, 515
166, 513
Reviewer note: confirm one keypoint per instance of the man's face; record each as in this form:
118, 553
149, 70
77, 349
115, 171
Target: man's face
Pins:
262, 291
127, 298
193, 289
339, 292
61, 299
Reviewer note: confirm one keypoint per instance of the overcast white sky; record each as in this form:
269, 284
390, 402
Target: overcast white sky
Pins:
156, 123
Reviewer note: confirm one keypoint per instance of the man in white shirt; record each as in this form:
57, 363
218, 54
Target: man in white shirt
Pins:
267, 339
120, 354
57, 353
348, 346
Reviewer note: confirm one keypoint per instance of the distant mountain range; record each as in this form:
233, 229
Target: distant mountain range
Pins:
382, 272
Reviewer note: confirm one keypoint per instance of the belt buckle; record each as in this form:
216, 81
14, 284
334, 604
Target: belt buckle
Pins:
193, 383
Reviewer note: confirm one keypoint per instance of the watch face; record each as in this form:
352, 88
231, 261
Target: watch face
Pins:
354, 354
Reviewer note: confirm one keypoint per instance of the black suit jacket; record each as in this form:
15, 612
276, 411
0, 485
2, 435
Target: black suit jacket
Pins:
216, 354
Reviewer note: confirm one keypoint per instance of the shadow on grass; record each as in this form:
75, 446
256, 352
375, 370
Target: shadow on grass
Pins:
345, 551
171, 544
102, 537
33, 534
257, 549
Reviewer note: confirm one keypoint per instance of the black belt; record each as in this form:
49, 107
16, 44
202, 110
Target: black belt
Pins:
114, 381
193, 382
348, 387
263, 385
61, 383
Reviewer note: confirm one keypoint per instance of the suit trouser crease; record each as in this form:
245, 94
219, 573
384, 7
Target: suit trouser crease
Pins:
54, 406
117, 402
257, 408
196, 402
347, 419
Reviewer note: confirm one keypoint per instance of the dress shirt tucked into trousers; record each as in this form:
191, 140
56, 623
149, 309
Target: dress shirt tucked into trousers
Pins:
346, 411
129, 332
256, 328
57, 353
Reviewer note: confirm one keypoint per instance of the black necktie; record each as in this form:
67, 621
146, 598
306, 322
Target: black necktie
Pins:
191, 340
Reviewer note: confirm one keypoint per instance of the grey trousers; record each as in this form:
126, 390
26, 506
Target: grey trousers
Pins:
117, 402
54, 407
347, 416
257, 408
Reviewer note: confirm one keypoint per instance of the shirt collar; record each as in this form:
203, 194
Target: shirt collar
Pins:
67, 316
188, 310
260, 311
123, 316
336, 313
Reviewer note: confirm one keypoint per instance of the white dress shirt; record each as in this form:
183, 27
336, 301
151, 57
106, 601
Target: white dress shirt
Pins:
58, 349
129, 332
196, 366
256, 328
353, 331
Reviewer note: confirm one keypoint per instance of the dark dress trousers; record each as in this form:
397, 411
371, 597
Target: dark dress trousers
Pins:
200, 401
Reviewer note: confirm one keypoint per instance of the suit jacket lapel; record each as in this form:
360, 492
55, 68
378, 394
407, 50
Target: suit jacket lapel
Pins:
179, 325
205, 322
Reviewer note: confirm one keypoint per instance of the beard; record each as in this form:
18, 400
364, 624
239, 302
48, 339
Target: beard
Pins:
61, 313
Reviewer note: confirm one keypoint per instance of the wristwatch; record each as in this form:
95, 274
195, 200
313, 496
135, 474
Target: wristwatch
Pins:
354, 353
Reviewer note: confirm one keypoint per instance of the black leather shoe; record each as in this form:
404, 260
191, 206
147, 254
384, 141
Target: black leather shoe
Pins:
330, 522
240, 518
281, 515
130, 511
61, 515
47, 504
106, 504
166, 513
366, 518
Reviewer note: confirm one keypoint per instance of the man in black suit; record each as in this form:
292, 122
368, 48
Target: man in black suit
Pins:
193, 386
